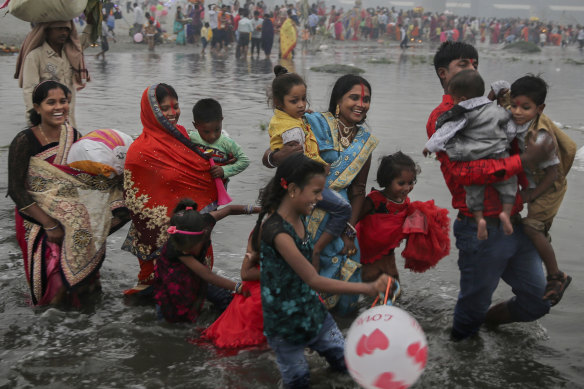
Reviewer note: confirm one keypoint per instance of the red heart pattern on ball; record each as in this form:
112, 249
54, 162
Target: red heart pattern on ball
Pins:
377, 339
419, 353
362, 346
368, 344
385, 381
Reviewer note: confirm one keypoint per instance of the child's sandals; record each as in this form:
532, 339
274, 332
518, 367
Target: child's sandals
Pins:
555, 287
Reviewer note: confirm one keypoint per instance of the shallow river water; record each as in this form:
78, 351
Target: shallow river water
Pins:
115, 343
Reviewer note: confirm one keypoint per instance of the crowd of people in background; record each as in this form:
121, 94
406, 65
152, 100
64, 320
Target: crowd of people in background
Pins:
218, 25
355, 23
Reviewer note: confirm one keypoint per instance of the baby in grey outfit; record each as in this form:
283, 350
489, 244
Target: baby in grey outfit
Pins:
476, 128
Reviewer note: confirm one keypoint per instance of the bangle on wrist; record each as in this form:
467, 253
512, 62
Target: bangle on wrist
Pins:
270, 163
57, 225
28, 206
350, 231
249, 209
237, 289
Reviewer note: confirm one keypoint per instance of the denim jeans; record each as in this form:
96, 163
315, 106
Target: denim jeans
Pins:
339, 211
292, 363
482, 263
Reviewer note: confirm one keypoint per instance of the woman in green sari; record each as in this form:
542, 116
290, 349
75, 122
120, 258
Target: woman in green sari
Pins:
346, 144
179, 26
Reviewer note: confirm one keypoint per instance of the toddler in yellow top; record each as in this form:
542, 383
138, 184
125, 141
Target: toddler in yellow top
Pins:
288, 125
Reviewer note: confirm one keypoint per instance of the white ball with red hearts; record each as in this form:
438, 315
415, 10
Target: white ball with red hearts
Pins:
386, 348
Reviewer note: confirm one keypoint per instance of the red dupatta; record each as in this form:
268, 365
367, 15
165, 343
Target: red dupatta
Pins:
162, 167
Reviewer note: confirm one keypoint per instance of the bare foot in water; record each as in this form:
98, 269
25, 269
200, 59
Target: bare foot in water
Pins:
506, 223
482, 233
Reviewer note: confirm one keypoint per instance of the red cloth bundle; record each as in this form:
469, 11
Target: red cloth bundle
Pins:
242, 323
427, 228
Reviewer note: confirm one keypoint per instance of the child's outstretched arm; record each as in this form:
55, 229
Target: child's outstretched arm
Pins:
286, 246
206, 274
234, 209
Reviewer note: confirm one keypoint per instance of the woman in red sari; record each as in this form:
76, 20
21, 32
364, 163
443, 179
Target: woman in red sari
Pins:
163, 166
63, 215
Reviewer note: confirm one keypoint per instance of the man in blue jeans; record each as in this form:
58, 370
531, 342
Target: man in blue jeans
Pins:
482, 263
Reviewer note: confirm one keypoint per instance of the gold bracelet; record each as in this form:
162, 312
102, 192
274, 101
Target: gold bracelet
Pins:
57, 225
28, 206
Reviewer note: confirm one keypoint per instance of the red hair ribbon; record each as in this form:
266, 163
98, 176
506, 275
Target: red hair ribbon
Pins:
172, 230
283, 183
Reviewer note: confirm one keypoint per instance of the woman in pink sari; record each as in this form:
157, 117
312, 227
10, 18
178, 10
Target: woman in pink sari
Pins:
62, 238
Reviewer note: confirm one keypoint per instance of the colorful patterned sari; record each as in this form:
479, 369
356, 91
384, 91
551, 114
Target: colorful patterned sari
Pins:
288, 37
345, 166
81, 202
162, 167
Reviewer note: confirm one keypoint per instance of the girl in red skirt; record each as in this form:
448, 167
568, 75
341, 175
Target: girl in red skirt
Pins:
388, 217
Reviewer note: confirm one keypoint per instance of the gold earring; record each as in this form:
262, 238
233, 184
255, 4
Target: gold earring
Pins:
337, 111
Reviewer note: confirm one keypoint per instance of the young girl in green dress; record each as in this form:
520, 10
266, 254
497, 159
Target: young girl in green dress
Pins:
294, 314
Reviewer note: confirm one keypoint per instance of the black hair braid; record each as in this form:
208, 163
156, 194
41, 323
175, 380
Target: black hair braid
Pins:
269, 198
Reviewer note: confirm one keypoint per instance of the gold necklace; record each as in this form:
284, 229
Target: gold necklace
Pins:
345, 133
40, 127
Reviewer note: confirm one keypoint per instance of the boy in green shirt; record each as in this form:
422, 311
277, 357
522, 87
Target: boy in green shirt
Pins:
208, 121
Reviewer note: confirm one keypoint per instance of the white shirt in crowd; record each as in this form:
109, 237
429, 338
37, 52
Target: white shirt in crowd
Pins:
245, 25
139, 15
213, 23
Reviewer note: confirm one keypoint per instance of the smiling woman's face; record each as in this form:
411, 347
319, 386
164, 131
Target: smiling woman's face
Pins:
354, 105
170, 109
54, 109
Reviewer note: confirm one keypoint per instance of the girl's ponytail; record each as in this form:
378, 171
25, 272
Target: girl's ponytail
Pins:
270, 198
187, 226
183, 204
279, 70
255, 237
